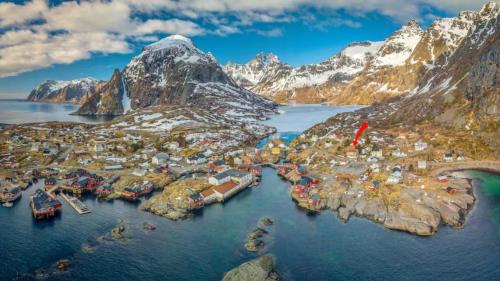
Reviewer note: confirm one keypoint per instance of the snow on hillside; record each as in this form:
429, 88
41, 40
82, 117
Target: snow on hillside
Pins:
398, 48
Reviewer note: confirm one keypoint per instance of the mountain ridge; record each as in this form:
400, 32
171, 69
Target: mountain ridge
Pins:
392, 69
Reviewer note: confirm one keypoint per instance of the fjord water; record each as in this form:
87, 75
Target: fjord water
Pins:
306, 246
14, 111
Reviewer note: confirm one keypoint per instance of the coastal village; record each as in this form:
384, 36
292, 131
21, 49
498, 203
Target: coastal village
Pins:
70, 160
386, 171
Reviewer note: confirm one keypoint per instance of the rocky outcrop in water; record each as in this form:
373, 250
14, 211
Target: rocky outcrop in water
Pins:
259, 269
414, 210
255, 240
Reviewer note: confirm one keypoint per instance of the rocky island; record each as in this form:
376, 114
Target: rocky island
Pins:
259, 269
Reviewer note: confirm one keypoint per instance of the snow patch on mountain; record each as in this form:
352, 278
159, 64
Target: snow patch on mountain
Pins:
398, 47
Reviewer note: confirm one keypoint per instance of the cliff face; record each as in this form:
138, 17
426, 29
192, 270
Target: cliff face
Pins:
107, 100
364, 73
173, 72
74, 91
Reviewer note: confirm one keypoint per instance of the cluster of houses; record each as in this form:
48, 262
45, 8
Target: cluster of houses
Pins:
305, 187
304, 190
81, 181
9, 191
138, 190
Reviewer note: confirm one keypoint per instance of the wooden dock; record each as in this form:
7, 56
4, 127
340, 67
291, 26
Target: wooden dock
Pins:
78, 205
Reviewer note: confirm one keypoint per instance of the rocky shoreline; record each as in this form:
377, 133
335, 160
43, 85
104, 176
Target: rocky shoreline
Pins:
417, 210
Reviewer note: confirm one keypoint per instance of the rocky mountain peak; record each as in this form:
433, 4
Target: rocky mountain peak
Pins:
489, 9
399, 46
107, 100
264, 59
172, 41
173, 72
411, 25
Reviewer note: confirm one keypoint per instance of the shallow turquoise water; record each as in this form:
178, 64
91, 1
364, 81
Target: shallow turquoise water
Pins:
306, 246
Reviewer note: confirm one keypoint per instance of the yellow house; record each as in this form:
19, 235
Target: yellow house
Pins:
275, 150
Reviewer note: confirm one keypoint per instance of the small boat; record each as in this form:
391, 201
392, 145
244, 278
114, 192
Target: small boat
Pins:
8, 204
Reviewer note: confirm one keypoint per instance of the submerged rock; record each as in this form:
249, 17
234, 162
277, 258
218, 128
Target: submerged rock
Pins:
117, 232
259, 269
149, 226
266, 221
63, 265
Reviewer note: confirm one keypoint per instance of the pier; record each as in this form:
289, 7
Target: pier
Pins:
78, 205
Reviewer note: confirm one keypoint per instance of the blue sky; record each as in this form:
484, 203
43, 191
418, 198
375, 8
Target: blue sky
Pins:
42, 40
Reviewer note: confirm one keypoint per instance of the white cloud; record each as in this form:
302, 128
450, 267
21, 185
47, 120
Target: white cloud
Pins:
168, 26
275, 32
35, 34
11, 13
72, 31
43, 51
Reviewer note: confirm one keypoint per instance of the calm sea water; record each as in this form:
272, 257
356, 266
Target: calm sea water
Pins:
307, 247
13, 111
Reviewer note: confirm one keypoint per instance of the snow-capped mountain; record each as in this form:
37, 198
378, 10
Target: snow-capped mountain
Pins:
248, 75
396, 49
457, 89
364, 73
73, 91
173, 71
269, 77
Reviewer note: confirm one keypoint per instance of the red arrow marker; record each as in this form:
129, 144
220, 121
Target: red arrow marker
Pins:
363, 127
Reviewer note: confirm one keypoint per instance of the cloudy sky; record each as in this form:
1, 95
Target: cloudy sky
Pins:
42, 39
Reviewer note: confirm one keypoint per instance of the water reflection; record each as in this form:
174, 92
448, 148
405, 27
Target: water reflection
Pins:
20, 111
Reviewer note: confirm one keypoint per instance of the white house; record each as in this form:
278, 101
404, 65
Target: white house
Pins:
84, 161
219, 178
399, 154
422, 164
99, 146
375, 167
448, 157
394, 179
237, 161
160, 158
420, 145
396, 175
35, 147
197, 159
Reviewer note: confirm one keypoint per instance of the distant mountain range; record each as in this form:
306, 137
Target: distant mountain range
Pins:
368, 72
74, 91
